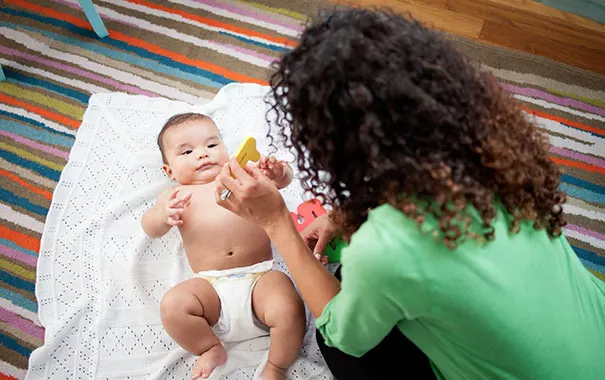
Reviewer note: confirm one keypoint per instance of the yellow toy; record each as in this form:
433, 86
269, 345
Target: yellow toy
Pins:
246, 152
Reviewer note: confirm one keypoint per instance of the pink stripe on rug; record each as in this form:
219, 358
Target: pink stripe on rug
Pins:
22, 324
585, 231
18, 255
36, 145
238, 49
243, 12
573, 103
264, 57
74, 70
577, 156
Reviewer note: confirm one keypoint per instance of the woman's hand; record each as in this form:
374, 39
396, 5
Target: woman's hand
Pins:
254, 197
318, 235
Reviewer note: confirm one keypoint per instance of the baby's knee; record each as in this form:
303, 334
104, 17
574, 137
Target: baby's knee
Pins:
292, 312
174, 305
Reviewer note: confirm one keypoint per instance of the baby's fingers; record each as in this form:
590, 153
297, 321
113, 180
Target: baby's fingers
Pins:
184, 200
263, 162
174, 217
175, 222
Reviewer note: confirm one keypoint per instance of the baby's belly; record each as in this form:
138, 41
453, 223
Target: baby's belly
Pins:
227, 246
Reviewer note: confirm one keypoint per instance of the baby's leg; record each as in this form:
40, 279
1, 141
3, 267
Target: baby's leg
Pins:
188, 311
277, 304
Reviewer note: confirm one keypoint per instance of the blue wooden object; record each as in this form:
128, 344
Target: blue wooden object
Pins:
93, 17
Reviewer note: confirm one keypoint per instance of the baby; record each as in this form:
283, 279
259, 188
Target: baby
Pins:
234, 294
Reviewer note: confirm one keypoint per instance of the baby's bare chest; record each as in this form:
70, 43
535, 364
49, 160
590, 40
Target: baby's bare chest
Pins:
204, 219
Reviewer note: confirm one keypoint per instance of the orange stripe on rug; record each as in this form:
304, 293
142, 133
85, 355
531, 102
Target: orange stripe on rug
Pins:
41, 111
20, 239
581, 126
218, 24
184, 59
142, 44
578, 165
44, 193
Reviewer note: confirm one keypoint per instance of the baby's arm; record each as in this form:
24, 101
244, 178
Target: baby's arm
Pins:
279, 172
165, 214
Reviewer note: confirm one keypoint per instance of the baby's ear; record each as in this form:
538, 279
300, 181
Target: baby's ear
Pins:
167, 170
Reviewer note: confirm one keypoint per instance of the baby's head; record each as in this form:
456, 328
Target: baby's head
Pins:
192, 149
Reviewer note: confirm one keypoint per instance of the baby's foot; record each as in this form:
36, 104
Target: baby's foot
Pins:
208, 361
273, 372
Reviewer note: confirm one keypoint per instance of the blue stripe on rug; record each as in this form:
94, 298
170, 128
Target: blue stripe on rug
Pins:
258, 43
16, 282
18, 77
590, 256
18, 299
218, 79
582, 183
36, 134
24, 203
584, 194
11, 244
40, 169
134, 60
12, 344
67, 143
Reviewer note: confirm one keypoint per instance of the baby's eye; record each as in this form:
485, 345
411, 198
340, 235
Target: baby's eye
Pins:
188, 151
212, 145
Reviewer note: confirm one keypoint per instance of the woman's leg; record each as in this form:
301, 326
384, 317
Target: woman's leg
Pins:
396, 354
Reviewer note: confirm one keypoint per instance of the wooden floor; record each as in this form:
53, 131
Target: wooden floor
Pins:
522, 25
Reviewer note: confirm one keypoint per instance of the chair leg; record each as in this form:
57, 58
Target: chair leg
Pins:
94, 18
2, 77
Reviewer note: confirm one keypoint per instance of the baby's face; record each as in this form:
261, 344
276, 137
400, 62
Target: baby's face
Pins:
194, 151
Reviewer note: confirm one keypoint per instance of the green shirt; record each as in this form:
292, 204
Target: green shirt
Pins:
521, 307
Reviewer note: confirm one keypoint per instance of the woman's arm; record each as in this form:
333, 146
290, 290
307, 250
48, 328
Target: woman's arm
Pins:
255, 198
316, 284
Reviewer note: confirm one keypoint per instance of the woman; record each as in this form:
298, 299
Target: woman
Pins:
449, 199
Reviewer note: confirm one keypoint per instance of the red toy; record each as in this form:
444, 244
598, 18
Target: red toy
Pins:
309, 211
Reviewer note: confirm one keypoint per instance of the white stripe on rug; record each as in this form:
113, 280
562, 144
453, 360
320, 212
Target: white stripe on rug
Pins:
88, 87
585, 238
26, 221
172, 16
124, 77
34, 116
227, 14
545, 104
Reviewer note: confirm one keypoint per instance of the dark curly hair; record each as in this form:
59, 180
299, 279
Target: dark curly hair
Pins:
380, 109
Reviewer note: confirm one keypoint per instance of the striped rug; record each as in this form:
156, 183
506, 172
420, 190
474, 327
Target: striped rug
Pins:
187, 50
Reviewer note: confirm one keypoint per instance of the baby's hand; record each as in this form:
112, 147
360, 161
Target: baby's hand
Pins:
175, 206
272, 168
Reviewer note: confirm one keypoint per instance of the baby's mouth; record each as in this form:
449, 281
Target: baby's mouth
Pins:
205, 166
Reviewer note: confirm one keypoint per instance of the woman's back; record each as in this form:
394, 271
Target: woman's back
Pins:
523, 306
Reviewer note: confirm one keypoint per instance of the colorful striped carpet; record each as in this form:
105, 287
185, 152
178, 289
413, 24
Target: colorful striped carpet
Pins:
187, 50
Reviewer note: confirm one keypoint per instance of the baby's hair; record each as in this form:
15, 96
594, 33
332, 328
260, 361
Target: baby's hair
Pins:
177, 120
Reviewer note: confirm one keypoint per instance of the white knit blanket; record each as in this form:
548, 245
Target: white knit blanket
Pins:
100, 279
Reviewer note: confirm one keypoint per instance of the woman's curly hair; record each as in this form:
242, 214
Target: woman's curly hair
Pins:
380, 109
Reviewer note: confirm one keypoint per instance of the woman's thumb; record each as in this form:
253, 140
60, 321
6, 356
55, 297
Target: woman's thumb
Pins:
322, 243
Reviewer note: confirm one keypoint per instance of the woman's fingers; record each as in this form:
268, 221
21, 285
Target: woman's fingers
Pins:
238, 172
322, 243
225, 181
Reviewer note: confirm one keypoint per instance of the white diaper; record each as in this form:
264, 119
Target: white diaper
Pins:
234, 286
